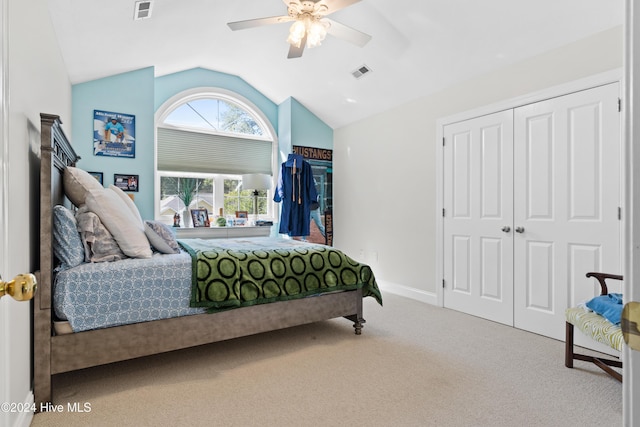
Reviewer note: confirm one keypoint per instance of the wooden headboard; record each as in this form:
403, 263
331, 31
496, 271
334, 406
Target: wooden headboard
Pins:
56, 154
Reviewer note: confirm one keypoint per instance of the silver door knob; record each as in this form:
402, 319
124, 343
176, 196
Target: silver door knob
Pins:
506, 229
519, 229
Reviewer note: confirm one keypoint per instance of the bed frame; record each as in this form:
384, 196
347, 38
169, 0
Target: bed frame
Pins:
55, 354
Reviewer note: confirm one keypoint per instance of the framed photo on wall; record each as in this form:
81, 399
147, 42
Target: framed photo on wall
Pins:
98, 175
114, 134
126, 182
200, 217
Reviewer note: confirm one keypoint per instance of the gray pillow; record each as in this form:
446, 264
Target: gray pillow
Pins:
99, 244
67, 245
161, 237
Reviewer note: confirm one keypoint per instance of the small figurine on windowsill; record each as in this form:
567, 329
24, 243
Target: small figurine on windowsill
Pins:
176, 220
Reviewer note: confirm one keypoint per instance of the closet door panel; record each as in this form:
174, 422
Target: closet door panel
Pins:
584, 165
478, 177
540, 284
461, 175
538, 159
563, 200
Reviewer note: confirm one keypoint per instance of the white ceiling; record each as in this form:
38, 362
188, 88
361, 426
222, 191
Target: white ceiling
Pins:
418, 46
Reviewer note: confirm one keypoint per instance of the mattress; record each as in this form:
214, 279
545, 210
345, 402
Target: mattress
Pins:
100, 295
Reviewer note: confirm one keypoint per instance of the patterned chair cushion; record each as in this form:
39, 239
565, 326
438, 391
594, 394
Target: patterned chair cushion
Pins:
595, 326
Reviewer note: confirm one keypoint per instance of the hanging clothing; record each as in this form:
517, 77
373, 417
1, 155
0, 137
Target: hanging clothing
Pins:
296, 191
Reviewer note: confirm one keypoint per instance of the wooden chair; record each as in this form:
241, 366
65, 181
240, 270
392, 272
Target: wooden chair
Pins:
597, 328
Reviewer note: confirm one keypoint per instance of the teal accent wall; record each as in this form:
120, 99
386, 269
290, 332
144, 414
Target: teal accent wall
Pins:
299, 126
140, 93
307, 129
284, 129
129, 93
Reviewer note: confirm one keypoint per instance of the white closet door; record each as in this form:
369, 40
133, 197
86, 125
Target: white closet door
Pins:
478, 177
566, 198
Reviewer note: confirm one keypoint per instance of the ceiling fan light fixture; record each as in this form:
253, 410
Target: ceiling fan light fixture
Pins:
309, 24
314, 30
296, 33
316, 33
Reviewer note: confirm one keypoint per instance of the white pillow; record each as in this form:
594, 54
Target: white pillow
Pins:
77, 183
128, 202
120, 221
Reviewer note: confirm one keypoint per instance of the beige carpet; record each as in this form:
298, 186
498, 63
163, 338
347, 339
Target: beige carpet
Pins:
414, 365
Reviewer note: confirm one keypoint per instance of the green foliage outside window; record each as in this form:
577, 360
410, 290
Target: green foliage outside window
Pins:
235, 197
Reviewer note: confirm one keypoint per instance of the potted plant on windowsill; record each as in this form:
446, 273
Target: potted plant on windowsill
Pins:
186, 191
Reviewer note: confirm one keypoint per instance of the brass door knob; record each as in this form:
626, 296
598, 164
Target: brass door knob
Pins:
21, 288
630, 324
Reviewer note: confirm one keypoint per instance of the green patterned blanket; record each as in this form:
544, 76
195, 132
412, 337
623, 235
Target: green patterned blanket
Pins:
230, 273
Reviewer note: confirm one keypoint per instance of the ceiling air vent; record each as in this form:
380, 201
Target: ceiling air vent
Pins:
142, 10
361, 71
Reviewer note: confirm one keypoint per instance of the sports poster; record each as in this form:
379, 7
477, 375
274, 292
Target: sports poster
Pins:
114, 134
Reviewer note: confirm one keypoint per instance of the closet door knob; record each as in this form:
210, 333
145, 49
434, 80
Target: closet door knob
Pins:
506, 229
519, 229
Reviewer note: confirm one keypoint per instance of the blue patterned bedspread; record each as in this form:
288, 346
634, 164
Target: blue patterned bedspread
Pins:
100, 295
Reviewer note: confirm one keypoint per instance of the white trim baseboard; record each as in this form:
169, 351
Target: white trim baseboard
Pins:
408, 292
25, 418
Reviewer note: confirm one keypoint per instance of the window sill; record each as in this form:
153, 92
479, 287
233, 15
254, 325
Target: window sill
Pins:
222, 232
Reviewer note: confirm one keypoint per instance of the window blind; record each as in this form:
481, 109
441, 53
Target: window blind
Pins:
185, 151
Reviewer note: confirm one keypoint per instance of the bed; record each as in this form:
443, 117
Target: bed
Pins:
144, 325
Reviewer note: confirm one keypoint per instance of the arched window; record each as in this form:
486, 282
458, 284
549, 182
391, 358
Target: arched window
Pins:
206, 140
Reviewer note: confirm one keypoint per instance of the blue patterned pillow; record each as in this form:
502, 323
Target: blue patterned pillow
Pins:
67, 245
161, 237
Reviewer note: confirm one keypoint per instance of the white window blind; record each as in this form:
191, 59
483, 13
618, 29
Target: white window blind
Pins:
185, 151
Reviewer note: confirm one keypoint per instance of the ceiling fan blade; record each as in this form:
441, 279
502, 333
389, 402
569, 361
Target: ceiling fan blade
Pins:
296, 52
252, 23
336, 5
349, 34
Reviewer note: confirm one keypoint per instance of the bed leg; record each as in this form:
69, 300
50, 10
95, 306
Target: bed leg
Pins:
358, 325
358, 321
42, 356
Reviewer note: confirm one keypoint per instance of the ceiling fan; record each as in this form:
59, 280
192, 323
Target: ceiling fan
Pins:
310, 24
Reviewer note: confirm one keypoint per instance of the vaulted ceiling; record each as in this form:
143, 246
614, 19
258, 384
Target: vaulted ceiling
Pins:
418, 47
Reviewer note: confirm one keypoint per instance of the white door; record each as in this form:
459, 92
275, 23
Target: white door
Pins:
566, 200
5, 394
478, 217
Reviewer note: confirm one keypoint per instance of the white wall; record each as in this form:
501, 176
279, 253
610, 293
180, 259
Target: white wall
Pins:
384, 166
38, 82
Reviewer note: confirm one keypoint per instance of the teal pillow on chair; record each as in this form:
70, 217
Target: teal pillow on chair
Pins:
608, 306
